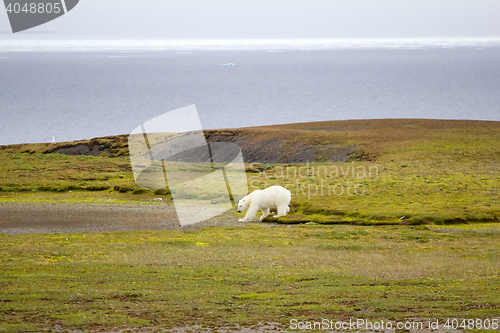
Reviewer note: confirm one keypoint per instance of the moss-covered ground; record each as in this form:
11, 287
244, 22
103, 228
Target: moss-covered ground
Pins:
222, 276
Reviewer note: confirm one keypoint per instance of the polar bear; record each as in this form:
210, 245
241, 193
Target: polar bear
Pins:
274, 197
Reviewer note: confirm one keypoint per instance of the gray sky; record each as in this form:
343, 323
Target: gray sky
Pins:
179, 19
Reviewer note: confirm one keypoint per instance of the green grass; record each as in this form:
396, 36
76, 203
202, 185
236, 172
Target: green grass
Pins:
397, 192
477, 227
22, 172
223, 276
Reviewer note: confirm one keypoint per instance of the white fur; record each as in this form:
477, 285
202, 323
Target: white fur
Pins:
274, 197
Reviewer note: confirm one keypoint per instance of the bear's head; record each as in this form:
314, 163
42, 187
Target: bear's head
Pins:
242, 205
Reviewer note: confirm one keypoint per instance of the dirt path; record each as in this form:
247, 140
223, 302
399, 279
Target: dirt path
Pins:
26, 218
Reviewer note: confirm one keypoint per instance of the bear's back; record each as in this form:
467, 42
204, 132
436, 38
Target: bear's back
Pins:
276, 194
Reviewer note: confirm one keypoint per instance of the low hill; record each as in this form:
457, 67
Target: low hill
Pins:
331, 141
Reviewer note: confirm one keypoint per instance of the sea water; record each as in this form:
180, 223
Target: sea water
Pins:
83, 89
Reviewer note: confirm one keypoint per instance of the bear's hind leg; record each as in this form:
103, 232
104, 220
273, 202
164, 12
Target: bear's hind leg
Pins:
282, 210
265, 213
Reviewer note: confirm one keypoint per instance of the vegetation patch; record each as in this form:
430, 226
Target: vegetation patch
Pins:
141, 190
228, 276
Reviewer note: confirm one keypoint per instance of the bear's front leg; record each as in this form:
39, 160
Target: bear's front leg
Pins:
252, 211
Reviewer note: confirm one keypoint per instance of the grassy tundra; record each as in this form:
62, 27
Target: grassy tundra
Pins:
222, 276
400, 171
420, 239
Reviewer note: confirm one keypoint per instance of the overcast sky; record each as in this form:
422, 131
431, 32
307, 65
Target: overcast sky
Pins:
201, 19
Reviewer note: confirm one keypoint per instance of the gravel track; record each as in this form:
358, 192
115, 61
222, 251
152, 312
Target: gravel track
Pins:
28, 218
